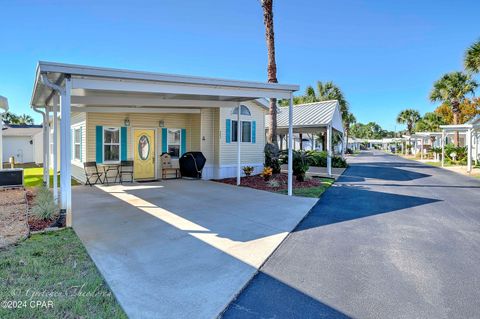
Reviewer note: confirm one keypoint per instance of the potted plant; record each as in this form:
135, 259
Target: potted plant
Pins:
248, 170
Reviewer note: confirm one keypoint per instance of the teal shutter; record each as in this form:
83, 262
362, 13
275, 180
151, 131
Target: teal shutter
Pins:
164, 140
81, 143
183, 145
123, 143
254, 132
99, 144
227, 130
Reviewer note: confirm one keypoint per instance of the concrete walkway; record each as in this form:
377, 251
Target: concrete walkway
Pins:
392, 238
181, 248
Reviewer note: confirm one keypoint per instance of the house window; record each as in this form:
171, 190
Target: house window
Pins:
245, 131
243, 110
174, 142
77, 144
111, 144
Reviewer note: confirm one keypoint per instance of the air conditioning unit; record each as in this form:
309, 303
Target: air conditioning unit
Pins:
11, 177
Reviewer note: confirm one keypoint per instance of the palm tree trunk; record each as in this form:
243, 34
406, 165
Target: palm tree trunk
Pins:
456, 137
267, 6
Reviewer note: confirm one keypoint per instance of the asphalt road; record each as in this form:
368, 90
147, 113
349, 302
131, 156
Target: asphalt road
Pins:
391, 239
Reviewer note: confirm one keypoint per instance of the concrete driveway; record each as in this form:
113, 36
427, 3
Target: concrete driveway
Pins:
392, 238
181, 248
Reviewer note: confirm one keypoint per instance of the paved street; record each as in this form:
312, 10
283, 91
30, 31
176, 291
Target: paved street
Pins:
392, 239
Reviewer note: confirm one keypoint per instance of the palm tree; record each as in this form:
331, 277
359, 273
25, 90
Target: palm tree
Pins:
430, 122
25, 119
349, 120
452, 89
472, 58
409, 117
267, 6
10, 118
330, 91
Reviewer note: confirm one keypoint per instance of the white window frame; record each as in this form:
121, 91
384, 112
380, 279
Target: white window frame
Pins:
179, 144
119, 144
79, 143
242, 107
234, 131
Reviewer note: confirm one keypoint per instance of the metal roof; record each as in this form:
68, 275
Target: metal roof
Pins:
56, 73
21, 129
317, 114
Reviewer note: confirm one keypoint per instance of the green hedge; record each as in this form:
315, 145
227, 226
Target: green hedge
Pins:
319, 159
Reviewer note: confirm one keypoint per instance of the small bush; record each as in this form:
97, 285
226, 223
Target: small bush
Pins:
44, 207
273, 183
272, 160
248, 170
319, 159
267, 173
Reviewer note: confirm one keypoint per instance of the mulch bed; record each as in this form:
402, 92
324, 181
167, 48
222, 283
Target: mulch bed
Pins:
257, 182
13, 217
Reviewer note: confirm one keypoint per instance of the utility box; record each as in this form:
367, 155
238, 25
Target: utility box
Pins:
10, 178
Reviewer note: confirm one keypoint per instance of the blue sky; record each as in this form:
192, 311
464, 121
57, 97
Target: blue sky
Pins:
385, 55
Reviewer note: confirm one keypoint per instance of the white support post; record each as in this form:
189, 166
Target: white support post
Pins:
443, 148
66, 153
313, 141
421, 149
469, 150
55, 147
476, 147
46, 147
1, 141
239, 141
329, 150
290, 146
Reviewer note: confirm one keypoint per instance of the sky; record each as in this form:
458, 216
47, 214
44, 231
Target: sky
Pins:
385, 55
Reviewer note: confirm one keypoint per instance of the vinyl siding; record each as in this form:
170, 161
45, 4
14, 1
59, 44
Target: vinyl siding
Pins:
209, 134
79, 120
250, 152
189, 122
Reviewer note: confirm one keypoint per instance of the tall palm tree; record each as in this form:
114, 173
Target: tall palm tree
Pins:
472, 58
408, 117
452, 89
267, 6
330, 91
349, 120
10, 118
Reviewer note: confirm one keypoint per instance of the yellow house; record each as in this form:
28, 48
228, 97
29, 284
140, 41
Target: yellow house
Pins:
117, 115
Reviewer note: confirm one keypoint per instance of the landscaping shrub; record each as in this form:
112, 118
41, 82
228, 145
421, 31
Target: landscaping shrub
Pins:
267, 173
248, 170
319, 159
44, 207
272, 157
455, 155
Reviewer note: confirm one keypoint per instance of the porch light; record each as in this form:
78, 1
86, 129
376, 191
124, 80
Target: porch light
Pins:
161, 123
127, 122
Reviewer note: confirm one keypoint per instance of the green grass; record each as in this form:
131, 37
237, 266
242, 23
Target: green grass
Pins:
54, 267
33, 177
437, 164
314, 192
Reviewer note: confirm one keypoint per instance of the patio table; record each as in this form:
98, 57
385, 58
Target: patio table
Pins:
110, 167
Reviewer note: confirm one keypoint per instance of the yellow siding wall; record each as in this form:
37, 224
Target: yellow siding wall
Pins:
250, 152
209, 134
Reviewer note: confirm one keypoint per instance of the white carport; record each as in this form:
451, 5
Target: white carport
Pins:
313, 118
86, 89
3, 109
423, 138
471, 129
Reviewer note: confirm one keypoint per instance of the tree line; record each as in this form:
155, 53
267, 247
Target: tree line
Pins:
456, 93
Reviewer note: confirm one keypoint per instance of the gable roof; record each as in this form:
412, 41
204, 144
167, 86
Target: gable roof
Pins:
317, 114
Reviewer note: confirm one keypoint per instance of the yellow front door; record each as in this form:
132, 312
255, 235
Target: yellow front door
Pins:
144, 154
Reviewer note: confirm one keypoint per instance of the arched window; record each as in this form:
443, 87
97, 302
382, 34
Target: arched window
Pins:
243, 110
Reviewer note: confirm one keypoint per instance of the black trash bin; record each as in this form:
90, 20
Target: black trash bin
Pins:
191, 164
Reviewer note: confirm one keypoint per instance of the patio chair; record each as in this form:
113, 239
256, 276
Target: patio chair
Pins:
167, 166
92, 174
126, 168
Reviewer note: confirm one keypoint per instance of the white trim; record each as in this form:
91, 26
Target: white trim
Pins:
119, 144
156, 143
179, 145
75, 128
110, 109
241, 132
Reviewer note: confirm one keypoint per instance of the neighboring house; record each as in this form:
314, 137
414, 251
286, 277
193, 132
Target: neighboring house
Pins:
313, 122
24, 142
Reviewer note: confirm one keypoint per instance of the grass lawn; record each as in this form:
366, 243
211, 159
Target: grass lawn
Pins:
315, 191
53, 267
34, 177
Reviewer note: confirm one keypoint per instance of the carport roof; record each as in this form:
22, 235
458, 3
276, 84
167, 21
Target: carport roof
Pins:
89, 82
312, 115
